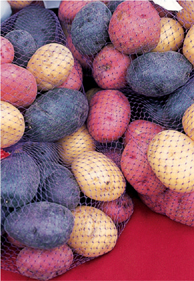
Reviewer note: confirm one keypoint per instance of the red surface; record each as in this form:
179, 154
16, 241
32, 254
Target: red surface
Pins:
151, 247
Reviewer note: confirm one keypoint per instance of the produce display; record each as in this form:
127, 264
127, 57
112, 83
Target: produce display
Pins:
97, 107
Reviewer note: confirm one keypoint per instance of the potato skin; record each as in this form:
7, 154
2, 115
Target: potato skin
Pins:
157, 74
177, 103
24, 46
89, 28
73, 145
136, 168
41, 225
94, 232
57, 113
98, 176
186, 15
12, 124
58, 185
6, 50
171, 35
134, 27
138, 127
44, 264
188, 122
188, 45
51, 64
18, 85
109, 68
108, 116
19, 181
171, 156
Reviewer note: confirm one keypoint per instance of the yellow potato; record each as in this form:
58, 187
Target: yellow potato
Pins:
171, 156
94, 233
12, 124
19, 4
188, 45
98, 176
186, 15
171, 35
188, 122
51, 64
75, 144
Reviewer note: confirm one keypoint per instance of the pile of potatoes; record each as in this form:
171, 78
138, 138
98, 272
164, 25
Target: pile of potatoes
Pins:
87, 122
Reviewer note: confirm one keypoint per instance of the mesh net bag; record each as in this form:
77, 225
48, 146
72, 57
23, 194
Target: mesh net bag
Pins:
96, 108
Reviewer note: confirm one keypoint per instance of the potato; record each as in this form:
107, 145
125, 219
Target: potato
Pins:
41, 225
73, 145
18, 85
94, 233
109, 68
180, 207
12, 124
15, 242
118, 210
91, 92
19, 181
171, 35
171, 156
58, 185
136, 168
75, 79
188, 45
85, 60
108, 116
68, 9
51, 64
6, 50
24, 46
186, 15
89, 30
55, 114
137, 127
134, 27
157, 74
177, 103
98, 176
44, 264
33, 18
19, 4
188, 122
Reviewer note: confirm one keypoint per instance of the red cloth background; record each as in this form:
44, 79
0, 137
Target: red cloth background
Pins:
151, 247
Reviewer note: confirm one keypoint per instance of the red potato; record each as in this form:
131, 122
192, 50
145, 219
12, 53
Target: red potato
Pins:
138, 127
75, 78
85, 61
44, 264
118, 210
135, 27
180, 207
15, 242
18, 85
108, 116
110, 68
136, 168
68, 9
155, 202
6, 50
